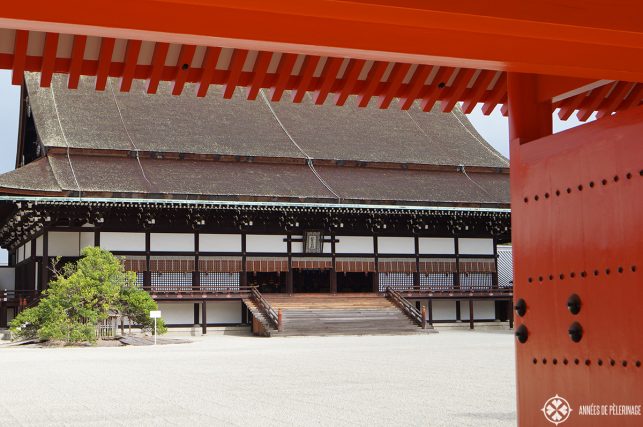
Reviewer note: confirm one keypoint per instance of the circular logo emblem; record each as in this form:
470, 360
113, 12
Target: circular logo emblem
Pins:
556, 410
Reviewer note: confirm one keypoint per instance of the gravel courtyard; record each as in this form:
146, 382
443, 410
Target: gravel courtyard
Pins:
454, 378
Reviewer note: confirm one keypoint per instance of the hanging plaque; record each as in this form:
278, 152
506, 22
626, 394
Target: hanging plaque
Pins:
313, 242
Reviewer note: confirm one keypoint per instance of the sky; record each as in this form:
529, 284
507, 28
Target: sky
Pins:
493, 128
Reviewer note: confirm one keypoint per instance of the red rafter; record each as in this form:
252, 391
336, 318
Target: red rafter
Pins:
592, 102
131, 59
435, 89
234, 71
208, 68
416, 85
19, 57
351, 74
477, 90
284, 69
373, 80
104, 61
400, 70
76, 64
568, 106
48, 59
305, 76
158, 63
183, 64
633, 98
456, 90
614, 99
259, 73
328, 76
494, 96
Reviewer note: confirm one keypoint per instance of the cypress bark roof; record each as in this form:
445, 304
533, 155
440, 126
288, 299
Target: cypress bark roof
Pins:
213, 125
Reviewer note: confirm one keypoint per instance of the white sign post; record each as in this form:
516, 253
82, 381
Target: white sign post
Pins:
156, 314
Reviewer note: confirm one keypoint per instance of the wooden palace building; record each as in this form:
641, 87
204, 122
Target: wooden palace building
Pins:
230, 210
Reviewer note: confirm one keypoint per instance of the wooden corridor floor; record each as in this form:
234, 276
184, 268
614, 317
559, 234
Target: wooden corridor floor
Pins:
340, 314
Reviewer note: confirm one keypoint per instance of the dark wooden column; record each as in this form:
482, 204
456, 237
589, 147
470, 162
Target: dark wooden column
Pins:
3, 309
416, 273
243, 280
204, 318
456, 276
97, 238
196, 313
289, 278
147, 274
44, 267
458, 315
494, 275
196, 274
429, 307
470, 314
376, 275
333, 271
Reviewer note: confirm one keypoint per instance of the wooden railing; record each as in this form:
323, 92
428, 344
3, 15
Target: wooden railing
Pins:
406, 307
197, 291
265, 308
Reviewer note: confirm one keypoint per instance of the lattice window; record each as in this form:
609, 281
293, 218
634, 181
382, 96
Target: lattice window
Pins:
476, 281
219, 282
396, 281
505, 268
171, 281
436, 282
140, 279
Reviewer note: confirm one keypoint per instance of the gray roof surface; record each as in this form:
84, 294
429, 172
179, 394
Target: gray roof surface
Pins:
182, 179
214, 125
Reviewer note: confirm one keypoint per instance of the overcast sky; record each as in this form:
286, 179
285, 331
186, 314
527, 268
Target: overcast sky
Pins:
493, 128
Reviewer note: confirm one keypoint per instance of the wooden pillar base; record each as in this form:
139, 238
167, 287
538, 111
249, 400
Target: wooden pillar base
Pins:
204, 318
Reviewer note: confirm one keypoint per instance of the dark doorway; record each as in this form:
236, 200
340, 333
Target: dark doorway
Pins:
311, 281
268, 283
354, 282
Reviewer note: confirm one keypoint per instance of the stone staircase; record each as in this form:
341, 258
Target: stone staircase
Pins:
341, 314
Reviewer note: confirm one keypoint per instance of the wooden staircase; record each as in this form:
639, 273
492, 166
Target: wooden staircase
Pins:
341, 314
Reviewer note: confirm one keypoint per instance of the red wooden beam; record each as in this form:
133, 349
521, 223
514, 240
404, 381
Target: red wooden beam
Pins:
158, 63
498, 91
19, 57
48, 59
592, 101
305, 76
611, 103
328, 77
456, 90
104, 61
131, 60
77, 58
417, 83
259, 73
477, 91
373, 80
234, 71
351, 74
400, 70
208, 68
438, 85
284, 69
183, 64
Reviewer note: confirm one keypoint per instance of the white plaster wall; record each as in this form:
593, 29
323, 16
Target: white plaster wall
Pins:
444, 310
354, 244
437, 245
396, 245
266, 243
27, 254
475, 246
177, 313
64, 243
39, 246
482, 310
223, 312
20, 253
219, 243
122, 241
7, 278
172, 242
86, 239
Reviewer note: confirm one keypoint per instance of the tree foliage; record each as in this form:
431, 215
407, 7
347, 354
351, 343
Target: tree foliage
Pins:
81, 295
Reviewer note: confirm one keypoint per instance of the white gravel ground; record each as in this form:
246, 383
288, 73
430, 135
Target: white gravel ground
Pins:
454, 378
